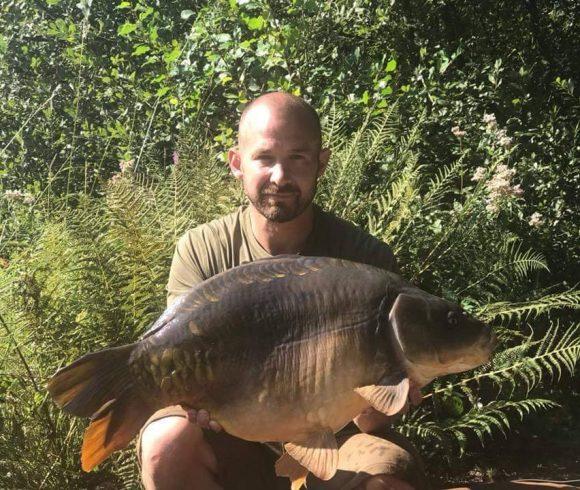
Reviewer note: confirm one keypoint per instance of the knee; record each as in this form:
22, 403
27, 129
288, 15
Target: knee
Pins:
385, 482
173, 449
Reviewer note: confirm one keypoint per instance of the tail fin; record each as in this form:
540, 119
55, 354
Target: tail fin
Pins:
99, 385
112, 428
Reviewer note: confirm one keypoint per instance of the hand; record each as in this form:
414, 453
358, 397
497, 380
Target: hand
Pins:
202, 418
369, 420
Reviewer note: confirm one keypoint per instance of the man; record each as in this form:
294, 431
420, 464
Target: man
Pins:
279, 159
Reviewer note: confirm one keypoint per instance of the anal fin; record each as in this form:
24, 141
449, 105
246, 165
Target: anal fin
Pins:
318, 453
288, 466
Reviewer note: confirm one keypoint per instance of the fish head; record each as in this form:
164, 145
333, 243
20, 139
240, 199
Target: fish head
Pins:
438, 337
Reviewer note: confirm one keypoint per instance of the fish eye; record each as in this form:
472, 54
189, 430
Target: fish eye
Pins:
452, 318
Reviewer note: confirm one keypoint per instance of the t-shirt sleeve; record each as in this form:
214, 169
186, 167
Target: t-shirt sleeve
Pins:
348, 241
187, 267
379, 254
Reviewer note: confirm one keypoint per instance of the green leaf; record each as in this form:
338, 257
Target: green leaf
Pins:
365, 97
186, 14
162, 91
123, 5
391, 66
222, 38
141, 49
172, 55
146, 13
255, 23
126, 29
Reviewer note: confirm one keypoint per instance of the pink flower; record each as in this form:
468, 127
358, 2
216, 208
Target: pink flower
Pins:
175, 157
458, 132
126, 165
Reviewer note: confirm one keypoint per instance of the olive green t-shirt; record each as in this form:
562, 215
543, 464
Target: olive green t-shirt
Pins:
227, 242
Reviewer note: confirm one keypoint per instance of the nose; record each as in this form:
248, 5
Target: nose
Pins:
279, 175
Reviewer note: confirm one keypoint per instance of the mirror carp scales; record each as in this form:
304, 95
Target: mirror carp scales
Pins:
286, 349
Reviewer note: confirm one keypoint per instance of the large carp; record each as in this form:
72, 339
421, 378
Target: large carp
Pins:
286, 349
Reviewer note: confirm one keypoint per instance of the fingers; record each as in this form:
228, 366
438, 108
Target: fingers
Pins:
415, 396
202, 418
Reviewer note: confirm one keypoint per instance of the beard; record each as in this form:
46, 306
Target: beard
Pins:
281, 209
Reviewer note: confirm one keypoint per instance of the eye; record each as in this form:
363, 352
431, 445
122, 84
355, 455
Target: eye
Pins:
453, 318
296, 156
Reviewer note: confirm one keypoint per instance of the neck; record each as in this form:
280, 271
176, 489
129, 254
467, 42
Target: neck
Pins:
282, 238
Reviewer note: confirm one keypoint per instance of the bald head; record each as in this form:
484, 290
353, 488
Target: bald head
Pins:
279, 108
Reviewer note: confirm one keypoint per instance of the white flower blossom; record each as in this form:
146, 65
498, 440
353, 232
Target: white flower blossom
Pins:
479, 174
517, 190
505, 141
492, 206
499, 186
536, 220
459, 133
490, 121
13, 195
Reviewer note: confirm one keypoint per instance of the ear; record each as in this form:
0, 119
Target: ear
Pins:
235, 161
323, 158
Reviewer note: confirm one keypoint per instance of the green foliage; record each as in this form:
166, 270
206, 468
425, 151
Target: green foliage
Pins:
93, 274
434, 119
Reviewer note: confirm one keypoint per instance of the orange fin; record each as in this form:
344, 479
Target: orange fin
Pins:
112, 428
288, 466
298, 483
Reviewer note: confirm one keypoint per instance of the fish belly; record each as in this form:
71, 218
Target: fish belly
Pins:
267, 420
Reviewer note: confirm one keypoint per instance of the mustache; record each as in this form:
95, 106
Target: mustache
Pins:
274, 189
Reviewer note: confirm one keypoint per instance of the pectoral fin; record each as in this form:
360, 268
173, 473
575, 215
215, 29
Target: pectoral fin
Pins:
288, 466
388, 397
318, 453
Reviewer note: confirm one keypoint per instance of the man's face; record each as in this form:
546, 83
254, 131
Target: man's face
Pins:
279, 161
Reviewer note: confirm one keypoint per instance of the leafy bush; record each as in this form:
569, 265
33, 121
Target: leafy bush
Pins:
94, 274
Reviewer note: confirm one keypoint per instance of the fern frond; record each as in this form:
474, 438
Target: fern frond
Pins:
481, 420
524, 310
556, 351
439, 185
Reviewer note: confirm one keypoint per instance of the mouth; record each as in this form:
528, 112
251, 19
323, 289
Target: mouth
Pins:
281, 196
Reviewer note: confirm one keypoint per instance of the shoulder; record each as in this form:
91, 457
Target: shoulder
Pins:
214, 233
351, 242
202, 252
208, 247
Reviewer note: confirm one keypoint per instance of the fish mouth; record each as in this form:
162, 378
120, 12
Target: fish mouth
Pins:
488, 344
